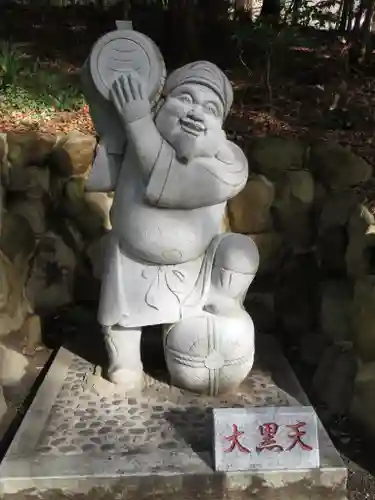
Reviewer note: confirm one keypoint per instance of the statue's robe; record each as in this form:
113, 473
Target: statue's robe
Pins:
165, 232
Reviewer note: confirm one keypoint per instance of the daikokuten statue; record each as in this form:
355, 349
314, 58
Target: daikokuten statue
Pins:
168, 260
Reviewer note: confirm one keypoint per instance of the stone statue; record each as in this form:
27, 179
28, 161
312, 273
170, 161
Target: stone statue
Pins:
168, 260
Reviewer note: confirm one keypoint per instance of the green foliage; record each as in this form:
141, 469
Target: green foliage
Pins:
10, 65
29, 84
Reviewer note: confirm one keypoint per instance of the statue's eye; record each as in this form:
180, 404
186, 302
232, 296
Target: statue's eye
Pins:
212, 109
185, 98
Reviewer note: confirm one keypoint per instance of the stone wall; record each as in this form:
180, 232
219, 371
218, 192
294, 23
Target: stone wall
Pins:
307, 206
48, 223
309, 209
47, 227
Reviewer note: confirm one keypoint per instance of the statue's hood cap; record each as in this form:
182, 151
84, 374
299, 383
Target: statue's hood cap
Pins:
203, 73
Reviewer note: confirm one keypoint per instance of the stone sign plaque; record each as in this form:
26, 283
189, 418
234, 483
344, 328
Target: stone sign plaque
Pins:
265, 438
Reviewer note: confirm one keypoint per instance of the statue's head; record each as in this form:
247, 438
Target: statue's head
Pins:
196, 100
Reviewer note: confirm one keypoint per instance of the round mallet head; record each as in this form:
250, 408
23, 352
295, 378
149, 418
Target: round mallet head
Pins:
121, 51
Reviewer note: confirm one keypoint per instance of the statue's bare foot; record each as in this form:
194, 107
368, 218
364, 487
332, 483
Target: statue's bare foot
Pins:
32, 331
128, 379
124, 351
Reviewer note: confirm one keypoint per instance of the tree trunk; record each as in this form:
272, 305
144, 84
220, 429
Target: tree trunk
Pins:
216, 9
358, 17
344, 16
182, 34
126, 9
350, 16
271, 10
361, 35
297, 4
366, 44
191, 28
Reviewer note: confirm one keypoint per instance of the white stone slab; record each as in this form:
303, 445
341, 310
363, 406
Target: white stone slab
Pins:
270, 438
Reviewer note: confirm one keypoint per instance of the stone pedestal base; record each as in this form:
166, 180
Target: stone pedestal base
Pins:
81, 435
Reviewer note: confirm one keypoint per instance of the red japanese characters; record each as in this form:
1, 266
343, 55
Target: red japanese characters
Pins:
297, 435
235, 442
268, 432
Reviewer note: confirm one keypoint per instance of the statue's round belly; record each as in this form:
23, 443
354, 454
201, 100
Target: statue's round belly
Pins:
165, 236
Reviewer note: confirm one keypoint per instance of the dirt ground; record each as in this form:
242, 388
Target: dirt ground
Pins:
361, 484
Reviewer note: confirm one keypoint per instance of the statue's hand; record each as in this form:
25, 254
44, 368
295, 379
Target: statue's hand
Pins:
129, 97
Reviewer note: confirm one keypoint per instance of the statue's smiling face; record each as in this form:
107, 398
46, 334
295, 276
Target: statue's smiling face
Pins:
191, 120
